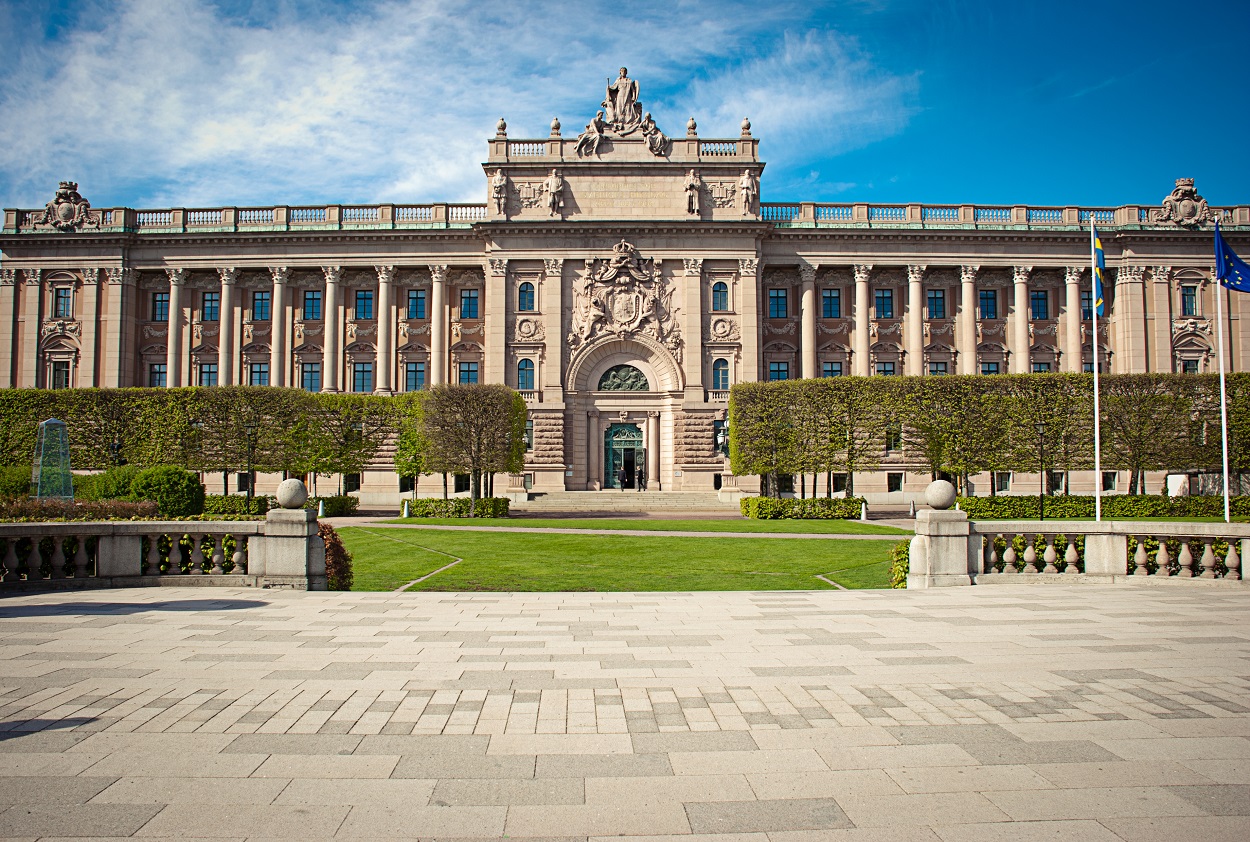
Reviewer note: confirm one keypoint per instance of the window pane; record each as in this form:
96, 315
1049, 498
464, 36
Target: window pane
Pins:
414, 377
312, 305
60, 375
936, 300
1189, 301
208, 374
258, 374
989, 368
883, 303
1189, 366
779, 371
416, 304
63, 304
831, 303
893, 482
260, 306
988, 299
525, 297
156, 375
468, 374
525, 375
529, 435
937, 368
1087, 304
364, 304
362, 377
1087, 368
777, 304
160, 306
831, 368
1038, 304
1041, 368
310, 377
720, 374
468, 304
210, 311
720, 296
885, 369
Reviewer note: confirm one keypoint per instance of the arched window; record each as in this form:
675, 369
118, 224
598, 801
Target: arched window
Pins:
525, 375
720, 296
525, 298
720, 374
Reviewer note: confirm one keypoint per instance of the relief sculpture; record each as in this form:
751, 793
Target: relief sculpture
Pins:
623, 296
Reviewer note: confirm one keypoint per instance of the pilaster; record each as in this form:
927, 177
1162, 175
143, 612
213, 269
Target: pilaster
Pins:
225, 337
551, 305
693, 296
89, 317
173, 338
749, 297
496, 305
1159, 320
32, 308
8, 327
807, 315
279, 350
1130, 319
862, 341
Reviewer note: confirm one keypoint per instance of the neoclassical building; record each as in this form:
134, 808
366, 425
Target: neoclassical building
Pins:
621, 279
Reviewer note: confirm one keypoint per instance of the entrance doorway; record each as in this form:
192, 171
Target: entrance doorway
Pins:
622, 449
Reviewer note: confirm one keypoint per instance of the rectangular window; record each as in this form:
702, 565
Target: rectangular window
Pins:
1002, 482
207, 375
406, 485
310, 377
312, 305
839, 482
260, 306
1087, 368
1087, 305
1189, 301
1039, 308
987, 300
831, 303
937, 368
160, 306
467, 374
258, 374
1054, 482
240, 481
416, 304
1189, 366
364, 304
885, 369
461, 483
778, 306
210, 307
414, 377
62, 303
883, 303
779, 370
351, 482
468, 304
60, 375
1041, 368
529, 435
831, 368
1108, 480
156, 375
362, 377
894, 481
894, 437
989, 368
935, 299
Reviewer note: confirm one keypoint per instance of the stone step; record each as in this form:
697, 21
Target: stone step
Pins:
625, 501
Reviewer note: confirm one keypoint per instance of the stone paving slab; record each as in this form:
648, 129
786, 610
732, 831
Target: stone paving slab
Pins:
1018, 712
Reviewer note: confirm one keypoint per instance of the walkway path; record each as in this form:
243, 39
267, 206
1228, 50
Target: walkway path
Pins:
1013, 712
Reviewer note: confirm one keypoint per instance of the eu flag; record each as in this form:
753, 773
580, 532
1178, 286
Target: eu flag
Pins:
1100, 272
1230, 269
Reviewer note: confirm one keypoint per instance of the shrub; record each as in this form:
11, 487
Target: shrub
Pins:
900, 559
1117, 506
176, 491
458, 507
15, 481
113, 484
27, 509
236, 504
338, 559
343, 505
819, 508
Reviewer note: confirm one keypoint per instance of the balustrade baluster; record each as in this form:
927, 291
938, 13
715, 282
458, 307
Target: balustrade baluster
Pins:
1049, 555
1233, 561
197, 556
1139, 557
79, 561
1030, 553
991, 565
1009, 555
10, 560
58, 559
1163, 560
1186, 561
1208, 560
240, 554
154, 555
1071, 557
218, 554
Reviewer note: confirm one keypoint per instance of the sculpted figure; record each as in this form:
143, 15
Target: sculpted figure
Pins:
749, 187
554, 188
589, 140
499, 190
694, 190
657, 143
623, 111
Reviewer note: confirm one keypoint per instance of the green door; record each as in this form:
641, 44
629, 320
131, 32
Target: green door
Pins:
622, 449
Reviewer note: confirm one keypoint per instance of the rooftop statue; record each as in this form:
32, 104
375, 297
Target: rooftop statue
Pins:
622, 110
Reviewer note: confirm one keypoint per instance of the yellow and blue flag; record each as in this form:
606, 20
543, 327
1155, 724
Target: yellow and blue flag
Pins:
1100, 272
1231, 270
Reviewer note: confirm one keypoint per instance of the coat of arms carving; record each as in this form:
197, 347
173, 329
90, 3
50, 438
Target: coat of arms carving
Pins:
68, 211
1183, 206
623, 296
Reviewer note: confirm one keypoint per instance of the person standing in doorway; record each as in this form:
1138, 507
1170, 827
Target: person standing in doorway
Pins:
620, 478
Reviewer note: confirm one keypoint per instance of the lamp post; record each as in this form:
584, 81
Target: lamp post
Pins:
1041, 469
250, 428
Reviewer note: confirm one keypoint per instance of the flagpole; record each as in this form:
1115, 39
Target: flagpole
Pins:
1219, 333
1093, 296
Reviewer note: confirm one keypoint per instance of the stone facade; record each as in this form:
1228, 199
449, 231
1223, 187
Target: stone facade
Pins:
622, 280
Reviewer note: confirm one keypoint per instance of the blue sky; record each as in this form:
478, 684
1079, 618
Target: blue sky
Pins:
152, 103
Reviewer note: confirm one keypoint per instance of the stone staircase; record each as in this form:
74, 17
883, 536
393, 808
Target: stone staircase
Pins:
628, 501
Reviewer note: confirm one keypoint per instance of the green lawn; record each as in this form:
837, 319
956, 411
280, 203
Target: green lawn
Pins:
742, 524
386, 559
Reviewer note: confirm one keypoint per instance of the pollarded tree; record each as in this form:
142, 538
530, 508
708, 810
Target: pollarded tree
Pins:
474, 429
345, 433
958, 423
410, 444
1148, 424
762, 436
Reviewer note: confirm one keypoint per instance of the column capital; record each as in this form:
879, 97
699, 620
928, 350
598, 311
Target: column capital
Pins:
693, 266
1161, 274
227, 274
968, 274
807, 272
386, 274
498, 266
8, 277
91, 277
915, 273
748, 265
862, 271
553, 267
177, 277
279, 274
333, 274
120, 276
1072, 274
653, 414
592, 413
438, 272
1020, 274
1133, 274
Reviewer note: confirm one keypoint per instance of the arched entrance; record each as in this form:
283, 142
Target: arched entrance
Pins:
622, 451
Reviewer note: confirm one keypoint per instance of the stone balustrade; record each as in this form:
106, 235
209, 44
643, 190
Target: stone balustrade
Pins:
854, 215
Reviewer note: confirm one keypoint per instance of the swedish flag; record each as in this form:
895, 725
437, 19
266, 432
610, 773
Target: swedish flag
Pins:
1230, 269
1100, 272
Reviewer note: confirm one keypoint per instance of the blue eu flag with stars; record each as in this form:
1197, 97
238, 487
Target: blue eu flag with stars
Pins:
1231, 270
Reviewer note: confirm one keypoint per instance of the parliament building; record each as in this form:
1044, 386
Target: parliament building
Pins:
622, 280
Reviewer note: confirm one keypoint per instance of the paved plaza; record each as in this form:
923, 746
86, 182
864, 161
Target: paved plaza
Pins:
980, 713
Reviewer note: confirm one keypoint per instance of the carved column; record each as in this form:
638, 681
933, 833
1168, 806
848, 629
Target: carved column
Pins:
594, 451
1073, 353
438, 325
1130, 320
863, 356
225, 331
331, 358
967, 326
807, 315
1020, 320
1159, 321
173, 347
693, 328
653, 452
8, 326
495, 306
119, 326
385, 350
279, 351
88, 317
749, 295
913, 320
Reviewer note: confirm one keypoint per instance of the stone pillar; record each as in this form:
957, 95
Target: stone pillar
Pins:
967, 326
913, 321
118, 355
550, 304
386, 335
279, 351
89, 317
693, 329
8, 326
807, 311
1073, 353
225, 328
173, 347
1159, 324
438, 325
594, 451
749, 296
31, 320
941, 553
330, 356
497, 302
653, 452
1020, 320
1130, 313
289, 553
863, 356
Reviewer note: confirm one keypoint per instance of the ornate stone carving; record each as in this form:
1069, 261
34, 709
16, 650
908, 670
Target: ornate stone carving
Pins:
1036, 330
91, 277
833, 327
807, 273
177, 277
553, 191
915, 274
623, 296
151, 331
279, 274
693, 266
529, 194
747, 266
408, 329
553, 267
722, 193
60, 327
68, 211
932, 330
694, 193
498, 267
622, 111
968, 274
8, 277
529, 330
1072, 274
1183, 206
120, 276
749, 189
459, 330
589, 140
723, 330
863, 272
386, 274
623, 378
438, 272
499, 191
1020, 274
784, 329
657, 142
1191, 326
355, 330
1161, 274
333, 274
1130, 274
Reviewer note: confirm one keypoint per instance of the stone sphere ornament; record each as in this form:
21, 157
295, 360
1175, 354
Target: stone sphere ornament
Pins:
940, 494
292, 494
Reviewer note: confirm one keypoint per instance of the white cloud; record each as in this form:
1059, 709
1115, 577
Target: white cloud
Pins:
154, 103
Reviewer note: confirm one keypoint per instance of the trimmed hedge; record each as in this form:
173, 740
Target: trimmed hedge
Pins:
458, 507
900, 563
343, 505
15, 481
176, 491
1122, 506
819, 508
236, 504
28, 509
113, 484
